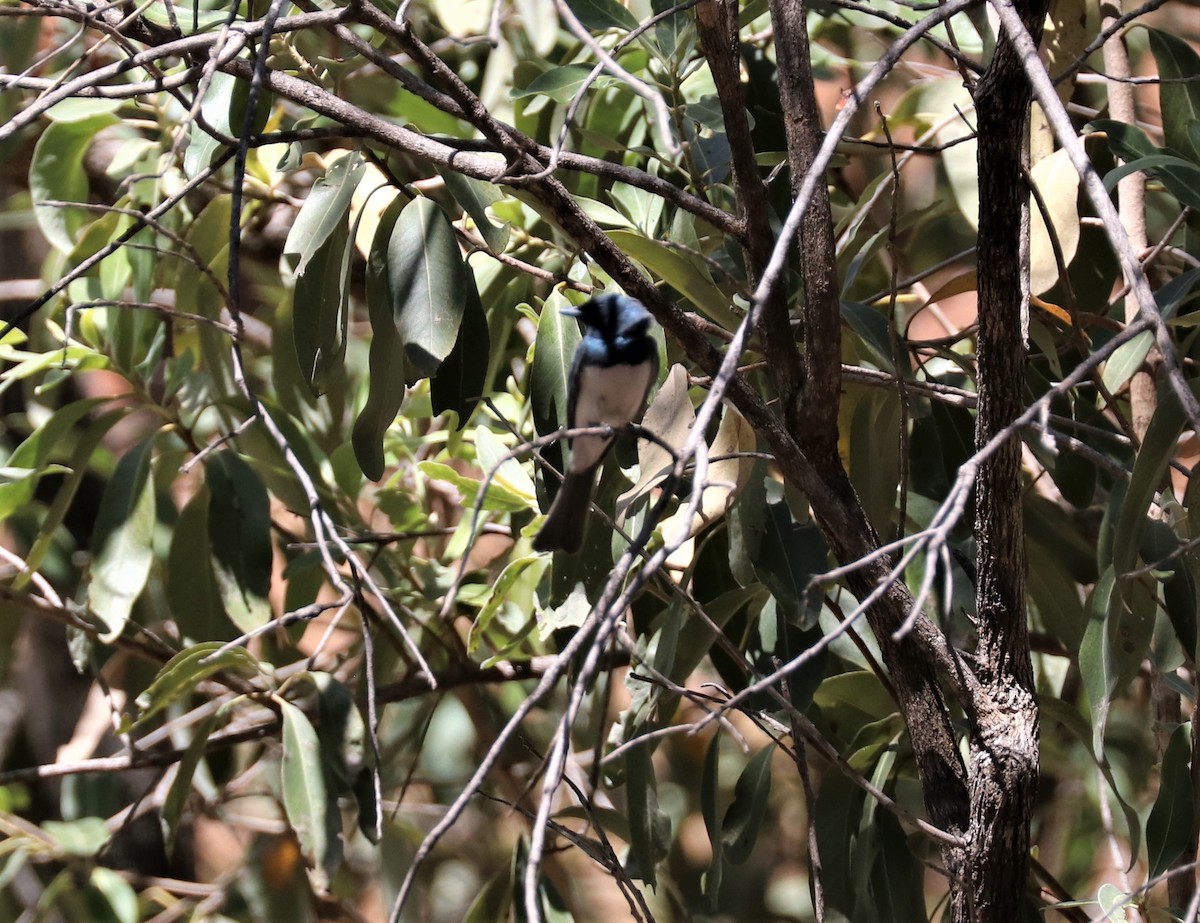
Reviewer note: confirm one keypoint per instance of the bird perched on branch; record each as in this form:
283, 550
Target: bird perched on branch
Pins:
615, 365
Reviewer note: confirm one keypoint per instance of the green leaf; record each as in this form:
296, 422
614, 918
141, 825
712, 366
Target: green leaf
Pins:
511, 594
553, 354
196, 292
1180, 177
310, 806
460, 381
34, 453
875, 457
386, 382
1123, 364
649, 827
744, 817
324, 211
343, 734
320, 310
896, 874
498, 497
709, 788
123, 540
599, 15
81, 458
507, 473
1128, 357
214, 107
1169, 826
181, 785
559, 83
84, 837
239, 534
872, 328
1178, 93
191, 588
1095, 657
494, 903
428, 283
475, 196
789, 556
186, 670
120, 901
679, 272
56, 173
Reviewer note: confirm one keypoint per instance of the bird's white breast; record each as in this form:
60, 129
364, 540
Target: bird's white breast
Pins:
613, 396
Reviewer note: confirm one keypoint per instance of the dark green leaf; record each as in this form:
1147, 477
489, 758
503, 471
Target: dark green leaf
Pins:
428, 283
494, 903
1178, 93
181, 785
871, 326
553, 353
1180, 177
689, 277
897, 894
192, 589
788, 558
319, 310
34, 453
598, 15
744, 817
239, 533
710, 786
123, 540
462, 378
649, 827
386, 381
343, 732
1095, 656
1169, 826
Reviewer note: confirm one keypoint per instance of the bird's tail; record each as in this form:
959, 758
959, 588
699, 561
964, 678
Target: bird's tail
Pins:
564, 525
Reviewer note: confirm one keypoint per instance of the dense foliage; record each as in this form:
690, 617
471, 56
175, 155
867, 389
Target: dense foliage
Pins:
283, 394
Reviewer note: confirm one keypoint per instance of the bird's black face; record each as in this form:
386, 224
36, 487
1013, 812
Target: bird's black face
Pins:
612, 315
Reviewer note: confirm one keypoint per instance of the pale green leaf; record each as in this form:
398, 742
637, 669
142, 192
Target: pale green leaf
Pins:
56, 173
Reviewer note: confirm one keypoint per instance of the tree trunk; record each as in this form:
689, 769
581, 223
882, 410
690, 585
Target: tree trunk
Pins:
1003, 759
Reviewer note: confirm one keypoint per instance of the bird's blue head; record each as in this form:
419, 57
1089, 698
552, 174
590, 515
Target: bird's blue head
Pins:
610, 316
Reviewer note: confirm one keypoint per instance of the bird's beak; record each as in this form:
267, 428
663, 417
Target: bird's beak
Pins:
569, 312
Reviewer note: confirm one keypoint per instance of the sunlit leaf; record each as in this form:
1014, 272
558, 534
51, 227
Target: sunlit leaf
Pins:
680, 273
56, 173
310, 806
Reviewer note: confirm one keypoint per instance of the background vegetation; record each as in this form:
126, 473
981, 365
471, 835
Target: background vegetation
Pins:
893, 616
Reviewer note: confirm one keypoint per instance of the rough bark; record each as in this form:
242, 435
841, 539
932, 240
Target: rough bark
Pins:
717, 27
814, 418
1004, 716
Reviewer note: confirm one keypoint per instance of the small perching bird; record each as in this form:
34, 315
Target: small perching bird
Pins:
615, 366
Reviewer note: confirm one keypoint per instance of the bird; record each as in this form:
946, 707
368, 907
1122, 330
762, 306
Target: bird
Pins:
615, 365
